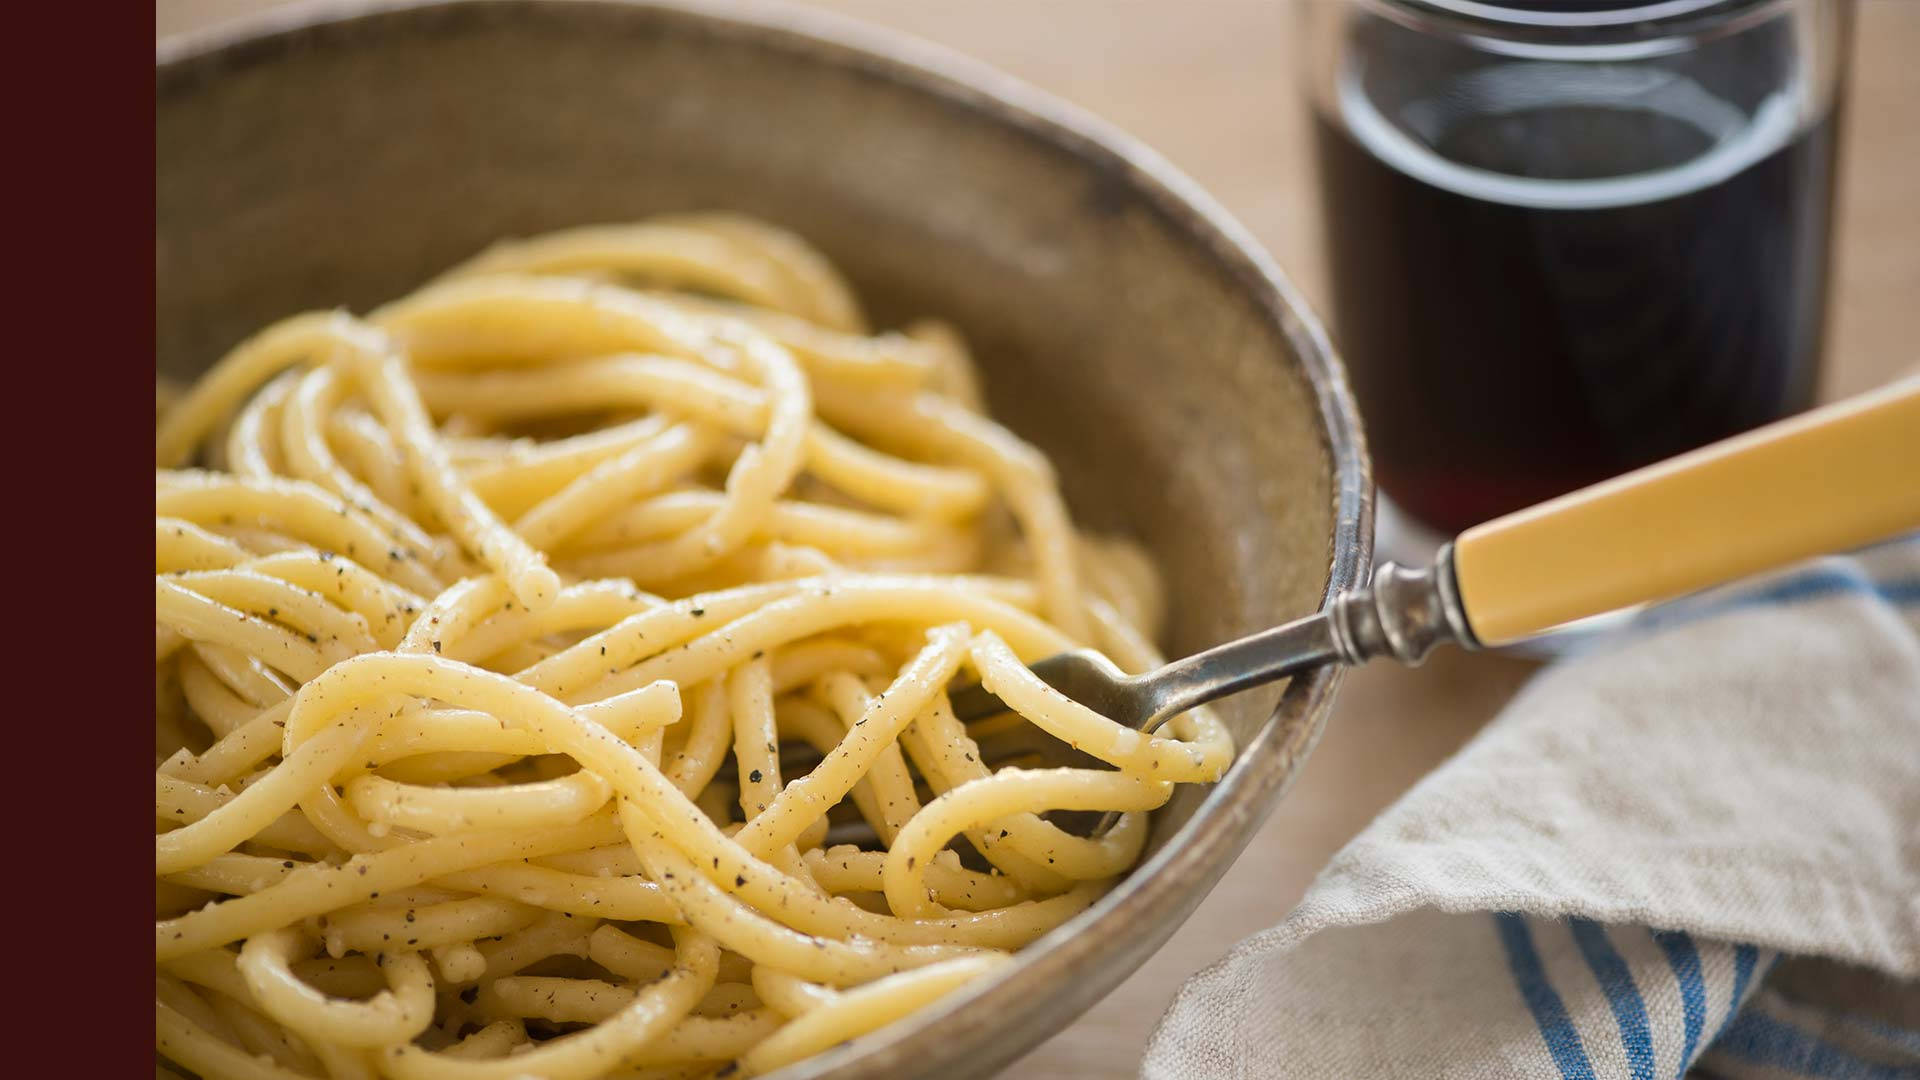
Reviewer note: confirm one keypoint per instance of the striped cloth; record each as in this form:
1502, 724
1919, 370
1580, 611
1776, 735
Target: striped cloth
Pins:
1691, 850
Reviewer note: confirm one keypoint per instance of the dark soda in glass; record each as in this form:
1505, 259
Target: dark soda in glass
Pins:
1547, 274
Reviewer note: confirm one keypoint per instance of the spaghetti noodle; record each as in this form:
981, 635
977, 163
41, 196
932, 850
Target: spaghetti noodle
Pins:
551, 675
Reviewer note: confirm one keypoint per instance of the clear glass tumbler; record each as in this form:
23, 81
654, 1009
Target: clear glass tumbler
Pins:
1570, 238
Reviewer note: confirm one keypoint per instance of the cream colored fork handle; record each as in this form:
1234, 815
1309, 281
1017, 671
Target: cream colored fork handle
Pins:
1828, 480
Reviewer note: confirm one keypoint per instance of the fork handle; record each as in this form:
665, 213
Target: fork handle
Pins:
1828, 480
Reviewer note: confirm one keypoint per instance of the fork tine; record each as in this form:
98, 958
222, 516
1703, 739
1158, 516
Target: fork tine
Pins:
995, 725
974, 702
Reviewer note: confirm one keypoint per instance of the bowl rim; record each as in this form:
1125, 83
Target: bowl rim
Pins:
1170, 883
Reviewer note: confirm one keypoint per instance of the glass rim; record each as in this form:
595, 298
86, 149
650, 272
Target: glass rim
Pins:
1570, 14
1591, 21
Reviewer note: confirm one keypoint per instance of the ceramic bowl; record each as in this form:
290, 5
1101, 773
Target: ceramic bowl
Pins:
339, 155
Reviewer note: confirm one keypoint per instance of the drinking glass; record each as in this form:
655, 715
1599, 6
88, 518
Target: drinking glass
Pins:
1571, 238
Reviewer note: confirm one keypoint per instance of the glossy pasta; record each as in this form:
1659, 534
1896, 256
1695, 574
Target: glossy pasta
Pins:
551, 670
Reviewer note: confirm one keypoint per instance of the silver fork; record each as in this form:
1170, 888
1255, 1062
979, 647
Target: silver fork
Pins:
1403, 614
1833, 479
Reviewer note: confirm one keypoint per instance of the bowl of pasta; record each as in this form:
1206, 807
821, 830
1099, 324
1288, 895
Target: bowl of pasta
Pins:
592, 440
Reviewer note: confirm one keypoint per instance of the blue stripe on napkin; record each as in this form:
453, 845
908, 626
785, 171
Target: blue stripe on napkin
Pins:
1623, 997
1684, 959
1549, 1012
1766, 1040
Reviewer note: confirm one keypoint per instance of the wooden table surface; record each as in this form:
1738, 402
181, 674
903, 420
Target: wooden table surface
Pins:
1210, 84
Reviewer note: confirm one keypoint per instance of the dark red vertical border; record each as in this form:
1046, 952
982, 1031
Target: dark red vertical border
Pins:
78, 307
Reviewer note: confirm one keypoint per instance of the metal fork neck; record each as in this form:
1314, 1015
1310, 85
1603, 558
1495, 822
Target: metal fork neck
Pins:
1401, 613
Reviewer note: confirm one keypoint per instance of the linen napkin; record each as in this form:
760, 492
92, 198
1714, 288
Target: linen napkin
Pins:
1693, 849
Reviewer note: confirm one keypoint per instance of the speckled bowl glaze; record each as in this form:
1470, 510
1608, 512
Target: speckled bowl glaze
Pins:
341, 154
